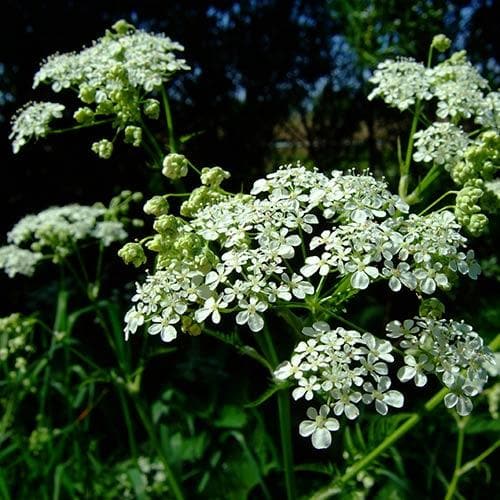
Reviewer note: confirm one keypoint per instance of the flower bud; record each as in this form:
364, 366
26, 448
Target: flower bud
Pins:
87, 93
166, 224
152, 109
441, 43
132, 253
431, 308
103, 148
175, 166
213, 177
156, 206
83, 115
478, 224
121, 27
133, 135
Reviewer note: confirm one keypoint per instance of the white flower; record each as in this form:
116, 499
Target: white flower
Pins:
297, 285
133, 319
288, 368
319, 427
345, 403
210, 308
415, 369
163, 325
314, 264
382, 396
306, 388
33, 120
250, 315
362, 272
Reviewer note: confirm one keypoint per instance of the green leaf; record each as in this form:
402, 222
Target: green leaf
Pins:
138, 483
478, 425
187, 137
231, 417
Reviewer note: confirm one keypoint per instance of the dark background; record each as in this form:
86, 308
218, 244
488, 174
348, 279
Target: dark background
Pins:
271, 81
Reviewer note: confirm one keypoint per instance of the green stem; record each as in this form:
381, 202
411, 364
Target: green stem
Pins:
429, 179
458, 459
154, 142
128, 423
404, 169
435, 202
60, 324
78, 127
284, 421
170, 123
476, 461
174, 486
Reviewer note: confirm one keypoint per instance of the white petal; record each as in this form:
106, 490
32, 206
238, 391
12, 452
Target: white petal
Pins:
332, 424
283, 371
255, 322
381, 407
168, 334
360, 280
351, 412
394, 398
464, 406
420, 379
298, 392
406, 373
450, 400
321, 439
312, 413
306, 428
324, 410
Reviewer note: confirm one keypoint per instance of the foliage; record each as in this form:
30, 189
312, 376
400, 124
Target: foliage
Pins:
289, 261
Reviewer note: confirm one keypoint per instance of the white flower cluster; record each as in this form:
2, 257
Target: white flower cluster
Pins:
112, 78
449, 349
56, 232
456, 85
299, 232
401, 82
141, 60
32, 121
343, 368
15, 260
442, 143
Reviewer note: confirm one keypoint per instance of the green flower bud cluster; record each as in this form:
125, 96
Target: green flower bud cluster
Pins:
174, 244
157, 205
468, 208
39, 438
441, 43
175, 166
214, 176
481, 159
431, 308
84, 115
15, 331
151, 109
103, 149
132, 253
133, 135
200, 198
